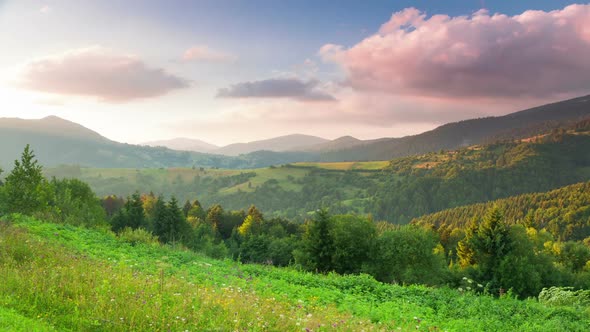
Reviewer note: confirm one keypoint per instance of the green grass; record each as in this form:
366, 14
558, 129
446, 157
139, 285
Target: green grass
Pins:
10, 320
81, 279
347, 165
285, 177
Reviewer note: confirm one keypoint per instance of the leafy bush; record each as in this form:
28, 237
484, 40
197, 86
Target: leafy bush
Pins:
138, 236
564, 296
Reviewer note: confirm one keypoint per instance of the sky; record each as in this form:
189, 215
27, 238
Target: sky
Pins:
236, 71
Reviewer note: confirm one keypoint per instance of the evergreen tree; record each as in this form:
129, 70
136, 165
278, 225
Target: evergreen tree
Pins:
160, 218
488, 245
169, 222
186, 208
317, 248
135, 212
26, 188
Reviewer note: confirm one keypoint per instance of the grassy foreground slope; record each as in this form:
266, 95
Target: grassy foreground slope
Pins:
69, 278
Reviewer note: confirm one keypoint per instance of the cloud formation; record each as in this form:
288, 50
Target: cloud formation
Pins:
277, 88
204, 53
535, 54
101, 73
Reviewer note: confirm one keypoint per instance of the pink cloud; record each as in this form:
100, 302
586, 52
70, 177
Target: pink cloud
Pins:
535, 54
101, 73
205, 53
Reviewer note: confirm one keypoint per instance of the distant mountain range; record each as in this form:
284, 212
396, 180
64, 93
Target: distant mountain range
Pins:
294, 142
184, 144
57, 141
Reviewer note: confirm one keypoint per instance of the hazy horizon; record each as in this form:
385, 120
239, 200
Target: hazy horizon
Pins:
233, 71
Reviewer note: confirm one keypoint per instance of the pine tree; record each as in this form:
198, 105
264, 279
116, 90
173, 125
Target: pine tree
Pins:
318, 242
169, 222
187, 207
160, 218
26, 188
135, 212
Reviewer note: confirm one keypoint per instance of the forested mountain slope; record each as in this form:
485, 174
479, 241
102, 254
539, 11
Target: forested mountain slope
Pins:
564, 212
468, 132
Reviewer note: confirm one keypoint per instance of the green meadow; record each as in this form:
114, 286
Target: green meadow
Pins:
65, 278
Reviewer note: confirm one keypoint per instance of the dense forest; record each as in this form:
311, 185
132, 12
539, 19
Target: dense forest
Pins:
493, 252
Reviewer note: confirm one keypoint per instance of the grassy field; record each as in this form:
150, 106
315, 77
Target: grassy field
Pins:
348, 165
75, 279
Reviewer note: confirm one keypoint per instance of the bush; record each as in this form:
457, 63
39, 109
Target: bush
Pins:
564, 296
138, 236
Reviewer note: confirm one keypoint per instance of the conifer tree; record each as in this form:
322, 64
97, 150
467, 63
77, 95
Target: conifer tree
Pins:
318, 243
26, 188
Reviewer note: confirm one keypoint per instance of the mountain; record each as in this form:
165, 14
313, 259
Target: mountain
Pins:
56, 141
468, 132
184, 144
295, 142
52, 126
340, 143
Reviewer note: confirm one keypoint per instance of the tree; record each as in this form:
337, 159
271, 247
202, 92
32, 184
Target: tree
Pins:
317, 247
135, 212
353, 240
74, 202
196, 214
187, 207
131, 215
488, 245
169, 222
214, 216
26, 188
407, 255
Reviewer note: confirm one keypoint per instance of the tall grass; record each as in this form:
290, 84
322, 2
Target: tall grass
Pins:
88, 280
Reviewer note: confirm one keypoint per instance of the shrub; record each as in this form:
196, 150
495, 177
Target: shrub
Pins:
138, 236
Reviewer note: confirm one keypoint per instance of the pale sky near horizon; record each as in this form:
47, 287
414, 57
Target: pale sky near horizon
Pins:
235, 71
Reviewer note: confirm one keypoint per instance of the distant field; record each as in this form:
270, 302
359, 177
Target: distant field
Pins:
110, 180
348, 165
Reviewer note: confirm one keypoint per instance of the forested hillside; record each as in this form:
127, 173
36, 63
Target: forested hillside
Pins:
564, 212
469, 132
397, 191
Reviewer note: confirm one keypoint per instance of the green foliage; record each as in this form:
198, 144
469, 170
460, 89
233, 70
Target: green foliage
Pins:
406, 255
353, 243
564, 212
44, 268
170, 224
26, 189
73, 202
317, 244
138, 236
565, 296
132, 215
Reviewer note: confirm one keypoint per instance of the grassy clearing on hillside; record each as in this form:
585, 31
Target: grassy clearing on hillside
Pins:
81, 279
347, 165
285, 179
